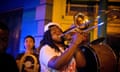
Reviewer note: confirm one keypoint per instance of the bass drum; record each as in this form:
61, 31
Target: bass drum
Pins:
99, 57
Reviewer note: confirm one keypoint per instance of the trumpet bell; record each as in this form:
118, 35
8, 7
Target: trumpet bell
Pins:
81, 20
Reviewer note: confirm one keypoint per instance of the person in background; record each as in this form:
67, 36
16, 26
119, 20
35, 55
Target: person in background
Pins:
55, 56
81, 20
82, 23
28, 61
7, 61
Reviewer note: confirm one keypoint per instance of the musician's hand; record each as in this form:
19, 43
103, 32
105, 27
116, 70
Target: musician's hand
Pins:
78, 38
87, 38
68, 36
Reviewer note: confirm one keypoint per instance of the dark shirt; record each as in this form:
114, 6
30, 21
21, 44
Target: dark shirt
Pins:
27, 58
8, 63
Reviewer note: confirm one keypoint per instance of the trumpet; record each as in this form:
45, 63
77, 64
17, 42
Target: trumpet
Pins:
85, 24
70, 30
82, 26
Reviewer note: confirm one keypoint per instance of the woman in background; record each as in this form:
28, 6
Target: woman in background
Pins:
28, 61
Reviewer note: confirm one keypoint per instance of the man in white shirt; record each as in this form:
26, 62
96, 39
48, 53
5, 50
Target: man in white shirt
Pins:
55, 56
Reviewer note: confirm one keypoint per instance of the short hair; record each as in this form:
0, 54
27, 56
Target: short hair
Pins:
81, 15
29, 36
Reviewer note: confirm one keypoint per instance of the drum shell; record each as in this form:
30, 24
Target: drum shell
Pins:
100, 58
106, 57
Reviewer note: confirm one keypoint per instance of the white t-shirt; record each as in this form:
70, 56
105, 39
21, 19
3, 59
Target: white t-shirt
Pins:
46, 53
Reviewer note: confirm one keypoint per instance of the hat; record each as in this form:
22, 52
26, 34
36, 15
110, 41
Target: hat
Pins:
46, 28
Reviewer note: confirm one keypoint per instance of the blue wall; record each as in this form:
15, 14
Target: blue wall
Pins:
28, 24
6, 5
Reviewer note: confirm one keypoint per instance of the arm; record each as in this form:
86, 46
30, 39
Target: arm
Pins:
18, 63
79, 56
59, 61
18, 58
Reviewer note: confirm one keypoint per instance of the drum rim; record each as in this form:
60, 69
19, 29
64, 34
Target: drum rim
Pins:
97, 41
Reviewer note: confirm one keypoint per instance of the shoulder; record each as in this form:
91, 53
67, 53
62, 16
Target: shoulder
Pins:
47, 48
8, 63
36, 55
46, 51
7, 59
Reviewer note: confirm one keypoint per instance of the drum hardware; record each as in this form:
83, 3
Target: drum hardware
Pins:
97, 41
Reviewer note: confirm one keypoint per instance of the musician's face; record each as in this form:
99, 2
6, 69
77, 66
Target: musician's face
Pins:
55, 33
3, 40
80, 21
